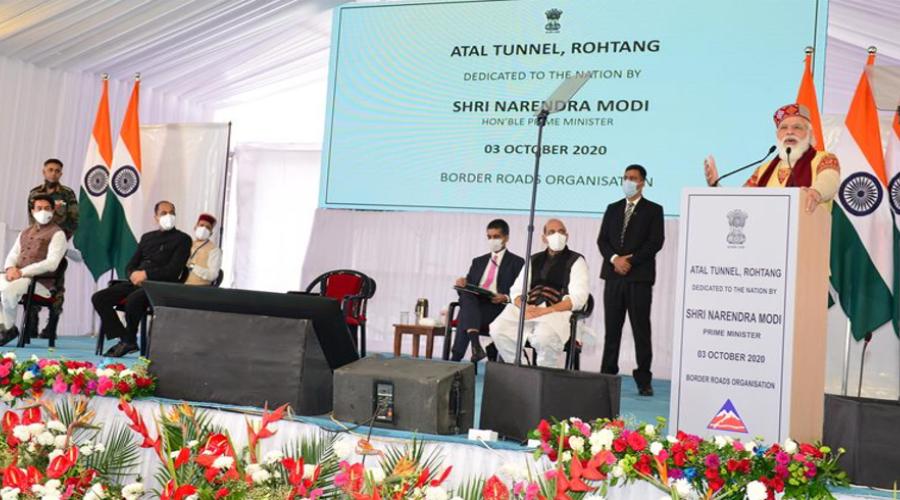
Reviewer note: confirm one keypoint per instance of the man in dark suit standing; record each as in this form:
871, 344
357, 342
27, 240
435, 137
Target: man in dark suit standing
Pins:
630, 236
495, 271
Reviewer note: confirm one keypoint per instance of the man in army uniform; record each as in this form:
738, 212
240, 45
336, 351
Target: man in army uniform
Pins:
65, 215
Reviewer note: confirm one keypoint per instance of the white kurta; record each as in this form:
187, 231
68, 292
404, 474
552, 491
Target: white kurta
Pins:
547, 334
12, 291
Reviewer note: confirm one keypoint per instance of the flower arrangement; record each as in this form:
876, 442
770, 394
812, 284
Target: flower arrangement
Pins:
400, 473
30, 379
52, 452
590, 457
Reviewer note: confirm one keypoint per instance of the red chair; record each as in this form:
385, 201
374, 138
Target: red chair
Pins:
31, 300
353, 290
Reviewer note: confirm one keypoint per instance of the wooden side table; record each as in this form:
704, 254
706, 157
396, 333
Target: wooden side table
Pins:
417, 331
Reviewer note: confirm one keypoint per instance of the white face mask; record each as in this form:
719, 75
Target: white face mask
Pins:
167, 222
202, 233
630, 188
42, 216
556, 241
495, 244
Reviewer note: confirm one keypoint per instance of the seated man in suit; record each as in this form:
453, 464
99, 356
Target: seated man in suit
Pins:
206, 257
494, 271
558, 285
160, 256
38, 250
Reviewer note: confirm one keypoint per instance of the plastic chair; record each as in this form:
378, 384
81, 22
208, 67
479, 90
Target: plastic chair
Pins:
353, 290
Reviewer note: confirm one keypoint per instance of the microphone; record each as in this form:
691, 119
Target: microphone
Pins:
745, 167
862, 363
787, 156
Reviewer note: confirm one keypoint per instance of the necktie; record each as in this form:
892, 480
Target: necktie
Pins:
492, 271
629, 210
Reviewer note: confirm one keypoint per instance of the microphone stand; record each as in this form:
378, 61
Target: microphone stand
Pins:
745, 167
520, 334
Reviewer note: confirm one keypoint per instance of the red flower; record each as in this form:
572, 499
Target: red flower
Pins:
171, 492
16, 391
31, 415
143, 382
294, 468
123, 387
59, 466
437, 482
222, 493
636, 441
808, 449
255, 436
620, 445
184, 455
545, 430
643, 465
138, 425
494, 489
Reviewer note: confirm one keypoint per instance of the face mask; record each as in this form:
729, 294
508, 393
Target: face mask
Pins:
202, 233
42, 216
495, 244
630, 188
167, 222
556, 241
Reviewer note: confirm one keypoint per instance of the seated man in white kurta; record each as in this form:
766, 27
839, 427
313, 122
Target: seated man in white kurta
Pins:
558, 284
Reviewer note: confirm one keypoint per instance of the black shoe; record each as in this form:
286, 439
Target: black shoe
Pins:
646, 391
49, 330
477, 353
121, 349
9, 335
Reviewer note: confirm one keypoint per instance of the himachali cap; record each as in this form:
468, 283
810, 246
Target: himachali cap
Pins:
207, 218
791, 110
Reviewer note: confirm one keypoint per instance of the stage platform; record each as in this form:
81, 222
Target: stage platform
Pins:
467, 457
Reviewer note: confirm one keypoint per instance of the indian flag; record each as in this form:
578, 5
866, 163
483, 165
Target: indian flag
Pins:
892, 158
92, 238
862, 242
806, 96
127, 204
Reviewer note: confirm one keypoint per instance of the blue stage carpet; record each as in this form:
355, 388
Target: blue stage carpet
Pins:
634, 408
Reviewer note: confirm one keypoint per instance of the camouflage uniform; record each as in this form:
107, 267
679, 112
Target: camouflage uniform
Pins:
66, 217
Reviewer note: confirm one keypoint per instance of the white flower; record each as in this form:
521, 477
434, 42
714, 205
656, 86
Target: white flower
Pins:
435, 493
108, 373
566, 457
253, 468
683, 488
9, 493
57, 426
95, 493
9, 355
750, 447
174, 454
193, 444
27, 376
53, 484
308, 471
720, 442
99, 448
133, 491
576, 443
671, 439
192, 497
756, 490
86, 451
601, 440
261, 476
344, 448
656, 447
618, 471
55, 453
21, 433
790, 446
32, 448
60, 441
6, 396
37, 428
649, 430
46, 439
377, 475
273, 457
223, 462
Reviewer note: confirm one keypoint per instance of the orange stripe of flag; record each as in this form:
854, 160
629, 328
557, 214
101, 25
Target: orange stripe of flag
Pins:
131, 130
101, 133
862, 122
807, 97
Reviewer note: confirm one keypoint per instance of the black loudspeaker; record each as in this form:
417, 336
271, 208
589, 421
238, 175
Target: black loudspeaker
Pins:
867, 430
246, 348
516, 398
429, 396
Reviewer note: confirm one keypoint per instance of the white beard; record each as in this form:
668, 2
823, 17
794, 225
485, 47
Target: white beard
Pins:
796, 151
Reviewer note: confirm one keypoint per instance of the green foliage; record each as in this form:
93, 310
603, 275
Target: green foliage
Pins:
120, 457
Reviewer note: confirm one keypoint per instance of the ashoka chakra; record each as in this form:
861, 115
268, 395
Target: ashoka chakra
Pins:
96, 181
860, 193
894, 188
126, 181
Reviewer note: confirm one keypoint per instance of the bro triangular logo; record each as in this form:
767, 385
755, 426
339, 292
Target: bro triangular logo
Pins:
727, 419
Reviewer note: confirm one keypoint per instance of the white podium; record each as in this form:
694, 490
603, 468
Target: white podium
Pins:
750, 315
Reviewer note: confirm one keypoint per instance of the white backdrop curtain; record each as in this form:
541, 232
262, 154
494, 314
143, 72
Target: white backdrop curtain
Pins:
274, 190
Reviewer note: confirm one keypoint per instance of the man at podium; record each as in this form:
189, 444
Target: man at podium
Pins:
798, 163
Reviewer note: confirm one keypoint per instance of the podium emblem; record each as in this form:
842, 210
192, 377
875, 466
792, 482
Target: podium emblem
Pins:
737, 218
727, 419
553, 16
860, 193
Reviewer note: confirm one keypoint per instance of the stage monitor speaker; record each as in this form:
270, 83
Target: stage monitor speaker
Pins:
516, 398
246, 348
429, 396
866, 429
